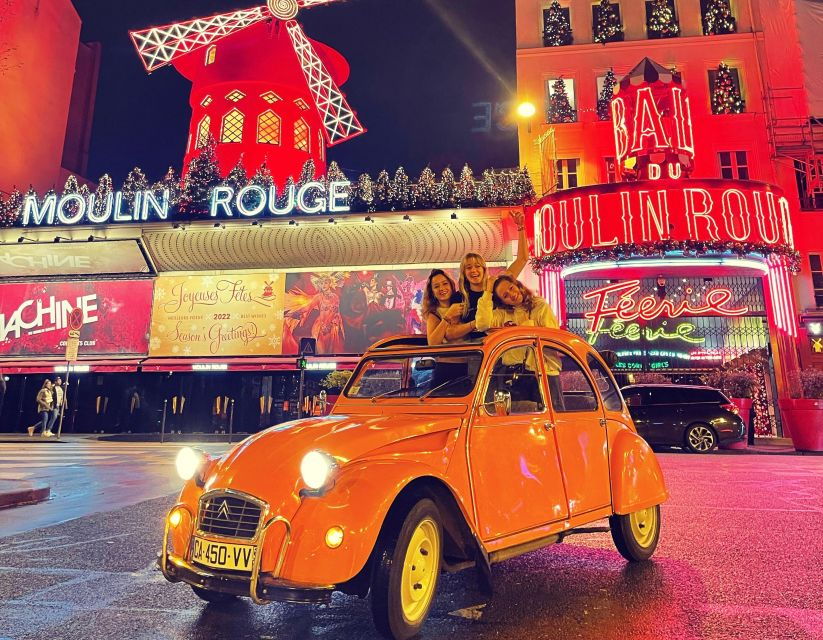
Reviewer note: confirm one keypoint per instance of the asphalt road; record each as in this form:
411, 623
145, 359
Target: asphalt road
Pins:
740, 557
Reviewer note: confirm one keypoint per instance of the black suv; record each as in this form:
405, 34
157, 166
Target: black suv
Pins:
698, 418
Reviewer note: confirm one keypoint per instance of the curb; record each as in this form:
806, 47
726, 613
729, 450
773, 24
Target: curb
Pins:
27, 495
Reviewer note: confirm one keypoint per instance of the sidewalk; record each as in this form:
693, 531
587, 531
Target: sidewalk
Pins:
14, 493
769, 446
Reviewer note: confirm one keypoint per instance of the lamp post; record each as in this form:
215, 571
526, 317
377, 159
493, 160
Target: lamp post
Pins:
525, 112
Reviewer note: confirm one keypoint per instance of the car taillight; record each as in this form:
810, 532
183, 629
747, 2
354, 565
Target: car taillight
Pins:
731, 407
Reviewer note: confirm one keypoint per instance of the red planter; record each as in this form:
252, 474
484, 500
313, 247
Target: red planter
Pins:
745, 405
803, 422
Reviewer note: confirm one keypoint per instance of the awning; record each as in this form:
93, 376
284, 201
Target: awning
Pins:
282, 363
46, 366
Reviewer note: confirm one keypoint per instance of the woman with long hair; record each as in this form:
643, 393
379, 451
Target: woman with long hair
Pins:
474, 275
508, 302
442, 308
45, 403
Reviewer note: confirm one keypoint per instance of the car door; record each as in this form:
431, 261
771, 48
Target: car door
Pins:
637, 401
665, 416
514, 466
580, 428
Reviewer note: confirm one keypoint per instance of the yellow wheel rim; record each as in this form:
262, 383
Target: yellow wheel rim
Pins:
420, 569
644, 525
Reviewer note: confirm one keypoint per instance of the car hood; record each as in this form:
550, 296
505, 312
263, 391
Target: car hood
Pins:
267, 465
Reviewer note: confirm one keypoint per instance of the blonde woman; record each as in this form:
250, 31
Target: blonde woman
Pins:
45, 403
508, 302
474, 274
442, 308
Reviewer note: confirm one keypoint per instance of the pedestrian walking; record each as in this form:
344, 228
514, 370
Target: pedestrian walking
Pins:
58, 393
45, 403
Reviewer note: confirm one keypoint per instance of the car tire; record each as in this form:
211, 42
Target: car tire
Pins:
214, 597
700, 438
636, 534
406, 570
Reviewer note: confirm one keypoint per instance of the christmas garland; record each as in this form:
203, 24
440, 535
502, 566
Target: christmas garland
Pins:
689, 248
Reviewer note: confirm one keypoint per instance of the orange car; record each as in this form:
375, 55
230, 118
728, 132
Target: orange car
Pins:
434, 459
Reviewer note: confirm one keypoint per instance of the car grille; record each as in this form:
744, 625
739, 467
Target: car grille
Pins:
227, 515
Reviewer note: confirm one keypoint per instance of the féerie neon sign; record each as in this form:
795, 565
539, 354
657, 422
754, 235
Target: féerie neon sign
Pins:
628, 309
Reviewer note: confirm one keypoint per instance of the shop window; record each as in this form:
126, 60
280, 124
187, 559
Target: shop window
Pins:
268, 128
717, 17
301, 135
561, 101
609, 170
607, 25
734, 165
211, 54
270, 96
235, 96
661, 19
557, 30
233, 127
817, 278
725, 93
203, 130
567, 173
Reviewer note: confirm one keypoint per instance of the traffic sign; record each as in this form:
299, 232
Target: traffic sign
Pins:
308, 346
72, 345
76, 319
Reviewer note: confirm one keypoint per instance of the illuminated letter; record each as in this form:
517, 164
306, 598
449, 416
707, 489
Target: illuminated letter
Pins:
787, 223
221, 197
287, 207
647, 123
626, 206
160, 210
339, 191
319, 203
99, 217
259, 205
621, 132
692, 214
769, 235
78, 214
119, 216
34, 215
544, 219
741, 212
594, 218
675, 171
683, 122
654, 171
655, 218
577, 206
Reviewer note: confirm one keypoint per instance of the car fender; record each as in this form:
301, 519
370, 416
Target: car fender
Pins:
637, 480
358, 503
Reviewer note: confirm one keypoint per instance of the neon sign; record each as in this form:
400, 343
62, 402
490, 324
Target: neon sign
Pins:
627, 309
620, 330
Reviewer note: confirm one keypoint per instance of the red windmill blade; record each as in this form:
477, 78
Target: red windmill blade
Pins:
161, 46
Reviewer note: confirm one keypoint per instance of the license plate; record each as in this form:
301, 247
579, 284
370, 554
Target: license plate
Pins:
221, 555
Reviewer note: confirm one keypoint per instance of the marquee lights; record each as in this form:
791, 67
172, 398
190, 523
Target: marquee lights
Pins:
627, 309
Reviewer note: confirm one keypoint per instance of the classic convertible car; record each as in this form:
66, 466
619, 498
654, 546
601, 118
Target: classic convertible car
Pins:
434, 459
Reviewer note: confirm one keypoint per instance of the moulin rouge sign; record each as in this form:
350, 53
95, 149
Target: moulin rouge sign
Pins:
658, 202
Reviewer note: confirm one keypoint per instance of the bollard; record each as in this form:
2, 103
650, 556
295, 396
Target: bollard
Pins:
163, 421
231, 420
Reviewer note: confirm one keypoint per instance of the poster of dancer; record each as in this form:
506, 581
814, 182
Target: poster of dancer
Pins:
348, 311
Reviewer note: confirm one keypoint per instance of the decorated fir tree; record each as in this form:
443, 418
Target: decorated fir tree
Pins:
10, 208
381, 191
101, 195
202, 176
169, 182
334, 173
237, 178
522, 189
427, 189
560, 109
71, 186
487, 189
556, 28
135, 182
448, 188
363, 193
307, 173
726, 96
283, 197
466, 188
604, 100
399, 190
263, 177
662, 22
718, 18
607, 26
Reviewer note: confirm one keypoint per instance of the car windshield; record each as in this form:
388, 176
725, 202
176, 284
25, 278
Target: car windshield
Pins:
433, 375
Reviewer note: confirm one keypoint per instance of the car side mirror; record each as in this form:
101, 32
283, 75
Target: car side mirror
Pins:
502, 404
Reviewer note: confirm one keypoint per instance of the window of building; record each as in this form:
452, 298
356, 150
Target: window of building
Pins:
809, 177
301, 135
609, 170
206, 101
734, 165
567, 173
235, 96
268, 128
661, 20
301, 104
725, 93
717, 18
270, 96
557, 29
817, 278
211, 54
607, 25
321, 145
560, 110
203, 130
232, 130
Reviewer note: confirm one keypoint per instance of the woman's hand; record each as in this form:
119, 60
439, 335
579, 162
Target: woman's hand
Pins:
517, 217
454, 313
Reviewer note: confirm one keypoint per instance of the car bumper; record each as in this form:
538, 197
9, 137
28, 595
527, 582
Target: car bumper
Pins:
259, 586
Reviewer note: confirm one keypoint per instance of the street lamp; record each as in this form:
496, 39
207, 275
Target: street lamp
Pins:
526, 111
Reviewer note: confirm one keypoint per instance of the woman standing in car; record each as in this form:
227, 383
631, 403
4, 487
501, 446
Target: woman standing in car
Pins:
507, 302
442, 308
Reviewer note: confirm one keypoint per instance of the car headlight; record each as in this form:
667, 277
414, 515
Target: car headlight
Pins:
317, 469
189, 461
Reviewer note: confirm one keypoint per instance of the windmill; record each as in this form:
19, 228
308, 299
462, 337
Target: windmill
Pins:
260, 86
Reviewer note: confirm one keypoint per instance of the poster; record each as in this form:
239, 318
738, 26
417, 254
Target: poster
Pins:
232, 314
348, 311
34, 317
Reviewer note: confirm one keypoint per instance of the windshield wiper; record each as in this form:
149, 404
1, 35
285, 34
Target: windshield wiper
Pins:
388, 393
444, 385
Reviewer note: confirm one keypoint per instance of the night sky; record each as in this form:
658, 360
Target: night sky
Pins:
421, 71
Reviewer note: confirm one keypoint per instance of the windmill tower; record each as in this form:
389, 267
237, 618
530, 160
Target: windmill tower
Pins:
260, 87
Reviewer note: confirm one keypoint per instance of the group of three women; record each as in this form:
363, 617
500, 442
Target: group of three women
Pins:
479, 301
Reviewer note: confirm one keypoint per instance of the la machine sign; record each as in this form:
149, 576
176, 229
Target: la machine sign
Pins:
251, 201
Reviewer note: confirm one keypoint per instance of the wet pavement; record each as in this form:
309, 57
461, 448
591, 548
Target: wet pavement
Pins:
740, 557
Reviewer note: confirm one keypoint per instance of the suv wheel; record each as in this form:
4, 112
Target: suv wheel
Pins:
700, 438
407, 566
